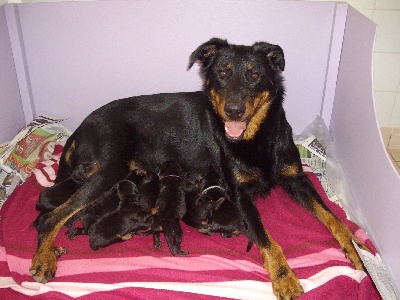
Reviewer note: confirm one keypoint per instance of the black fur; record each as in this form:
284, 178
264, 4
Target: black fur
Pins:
170, 206
123, 223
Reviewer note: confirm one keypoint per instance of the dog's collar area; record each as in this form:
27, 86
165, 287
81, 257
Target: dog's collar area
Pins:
212, 187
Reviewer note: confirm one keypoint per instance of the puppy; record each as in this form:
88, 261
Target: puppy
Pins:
110, 204
123, 223
201, 203
212, 211
106, 204
171, 201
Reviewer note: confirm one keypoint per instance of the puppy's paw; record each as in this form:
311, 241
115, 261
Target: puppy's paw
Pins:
58, 251
173, 234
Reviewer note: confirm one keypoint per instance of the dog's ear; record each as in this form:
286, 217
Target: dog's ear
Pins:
207, 51
274, 54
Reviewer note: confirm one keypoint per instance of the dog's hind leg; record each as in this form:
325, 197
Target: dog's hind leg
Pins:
44, 262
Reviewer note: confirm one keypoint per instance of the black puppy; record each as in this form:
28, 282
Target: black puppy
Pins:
106, 204
121, 225
206, 197
148, 186
111, 203
171, 201
211, 211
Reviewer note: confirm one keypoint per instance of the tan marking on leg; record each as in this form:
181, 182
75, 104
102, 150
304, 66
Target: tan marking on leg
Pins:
44, 263
258, 110
134, 165
95, 167
69, 152
290, 171
245, 177
285, 283
342, 234
126, 237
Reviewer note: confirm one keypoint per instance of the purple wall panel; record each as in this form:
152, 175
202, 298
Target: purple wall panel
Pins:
374, 182
11, 113
83, 55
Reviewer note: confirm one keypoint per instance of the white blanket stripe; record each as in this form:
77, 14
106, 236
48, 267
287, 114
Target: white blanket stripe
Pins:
232, 289
195, 263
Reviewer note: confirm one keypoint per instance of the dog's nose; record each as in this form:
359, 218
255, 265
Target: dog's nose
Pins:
234, 111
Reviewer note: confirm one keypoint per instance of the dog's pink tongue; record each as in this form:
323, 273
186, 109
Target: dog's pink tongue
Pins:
234, 129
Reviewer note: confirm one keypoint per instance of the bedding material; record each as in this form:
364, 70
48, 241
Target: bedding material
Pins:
214, 267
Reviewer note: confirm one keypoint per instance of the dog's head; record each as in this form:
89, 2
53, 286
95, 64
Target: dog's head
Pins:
242, 81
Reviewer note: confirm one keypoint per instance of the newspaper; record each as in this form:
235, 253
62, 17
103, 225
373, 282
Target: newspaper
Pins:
313, 154
378, 272
315, 147
33, 144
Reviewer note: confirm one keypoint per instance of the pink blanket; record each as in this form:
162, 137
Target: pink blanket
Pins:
215, 267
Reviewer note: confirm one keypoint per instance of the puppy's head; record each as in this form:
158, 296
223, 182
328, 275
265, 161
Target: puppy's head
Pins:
127, 189
242, 82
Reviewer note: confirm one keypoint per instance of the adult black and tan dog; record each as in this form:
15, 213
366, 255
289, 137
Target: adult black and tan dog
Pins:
237, 125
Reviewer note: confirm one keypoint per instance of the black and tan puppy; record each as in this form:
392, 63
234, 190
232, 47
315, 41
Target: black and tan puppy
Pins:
206, 197
237, 124
106, 204
171, 202
225, 218
109, 207
211, 211
148, 186
124, 223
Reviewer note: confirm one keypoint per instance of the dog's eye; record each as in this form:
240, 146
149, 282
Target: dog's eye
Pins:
222, 73
255, 75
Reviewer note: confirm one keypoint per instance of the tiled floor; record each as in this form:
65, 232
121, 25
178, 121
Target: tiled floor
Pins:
391, 138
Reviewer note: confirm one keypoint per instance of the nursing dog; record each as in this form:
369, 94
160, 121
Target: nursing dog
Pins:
237, 124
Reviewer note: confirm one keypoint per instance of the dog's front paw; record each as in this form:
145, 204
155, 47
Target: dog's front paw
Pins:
352, 254
44, 266
287, 286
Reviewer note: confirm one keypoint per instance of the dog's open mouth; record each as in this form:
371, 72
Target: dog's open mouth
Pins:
234, 130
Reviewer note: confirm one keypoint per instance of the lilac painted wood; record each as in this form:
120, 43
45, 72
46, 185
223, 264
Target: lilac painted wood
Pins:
374, 182
11, 113
83, 55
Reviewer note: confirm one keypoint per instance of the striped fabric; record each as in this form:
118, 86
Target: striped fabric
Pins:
214, 268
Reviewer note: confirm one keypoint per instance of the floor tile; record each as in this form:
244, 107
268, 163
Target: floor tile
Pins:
394, 142
395, 153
